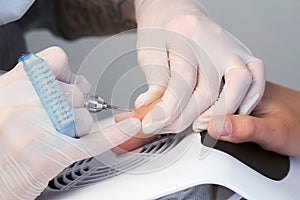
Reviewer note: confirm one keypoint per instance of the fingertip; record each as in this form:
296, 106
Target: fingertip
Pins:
220, 127
154, 92
142, 100
145, 99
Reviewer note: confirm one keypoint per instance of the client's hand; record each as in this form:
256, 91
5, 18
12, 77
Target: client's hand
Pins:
274, 124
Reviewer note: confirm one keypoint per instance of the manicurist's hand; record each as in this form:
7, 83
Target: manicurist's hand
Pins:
184, 55
32, 152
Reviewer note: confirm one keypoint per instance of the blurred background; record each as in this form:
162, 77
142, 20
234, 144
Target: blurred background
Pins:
269, 28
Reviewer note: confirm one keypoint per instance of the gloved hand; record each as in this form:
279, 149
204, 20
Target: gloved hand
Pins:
185, 55
31, 151
13, 10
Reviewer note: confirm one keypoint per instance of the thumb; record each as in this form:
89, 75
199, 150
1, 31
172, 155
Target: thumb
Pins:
240, 128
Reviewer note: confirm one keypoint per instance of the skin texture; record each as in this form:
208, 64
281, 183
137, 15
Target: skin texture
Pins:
140, 139
274, 124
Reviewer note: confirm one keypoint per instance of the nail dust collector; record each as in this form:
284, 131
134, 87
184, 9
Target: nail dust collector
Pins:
177, 162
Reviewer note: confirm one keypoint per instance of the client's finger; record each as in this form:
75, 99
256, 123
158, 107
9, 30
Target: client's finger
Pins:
244, 128
107, 138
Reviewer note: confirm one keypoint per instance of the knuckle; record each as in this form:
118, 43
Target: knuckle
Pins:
189, 21
59, 52
258, 70
250, 129
258, 62
278, 139
77, 94
57, 59
239, 74
82, 83
57, 49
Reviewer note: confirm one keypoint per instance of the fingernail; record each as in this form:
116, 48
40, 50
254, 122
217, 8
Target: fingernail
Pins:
221, 126
226, 130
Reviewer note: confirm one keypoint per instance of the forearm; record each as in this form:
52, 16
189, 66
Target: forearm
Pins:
94, 17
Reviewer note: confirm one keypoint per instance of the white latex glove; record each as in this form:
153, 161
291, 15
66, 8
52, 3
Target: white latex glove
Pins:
184, 56
31, 151
13, 10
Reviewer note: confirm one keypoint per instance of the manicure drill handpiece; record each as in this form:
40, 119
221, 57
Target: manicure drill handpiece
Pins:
96, 104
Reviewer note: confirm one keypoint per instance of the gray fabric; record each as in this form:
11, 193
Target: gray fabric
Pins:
41, 15
12, 45
200, 192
